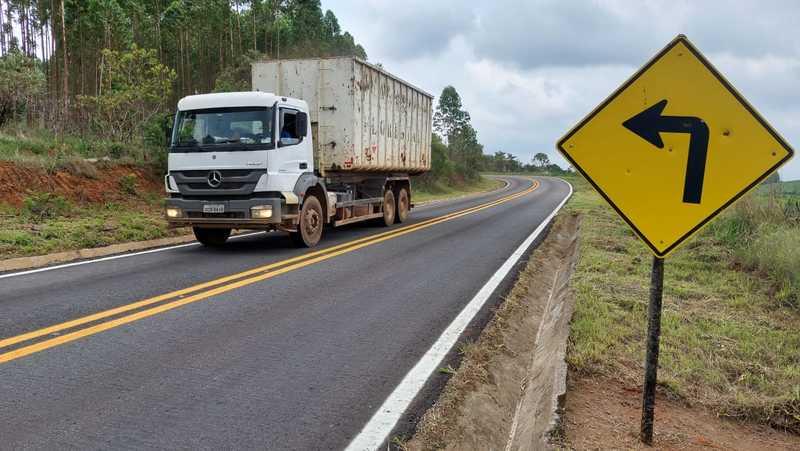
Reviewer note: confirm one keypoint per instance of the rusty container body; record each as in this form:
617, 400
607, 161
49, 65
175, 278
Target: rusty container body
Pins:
363, 119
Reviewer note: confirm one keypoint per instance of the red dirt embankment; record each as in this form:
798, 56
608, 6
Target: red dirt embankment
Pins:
100, 183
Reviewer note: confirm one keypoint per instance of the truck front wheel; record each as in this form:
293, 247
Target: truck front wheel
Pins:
310, 225
211, 237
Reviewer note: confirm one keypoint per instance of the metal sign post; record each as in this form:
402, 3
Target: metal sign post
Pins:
651, 360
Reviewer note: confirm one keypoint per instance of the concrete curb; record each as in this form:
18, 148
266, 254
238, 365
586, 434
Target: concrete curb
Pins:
538, 415
38, 261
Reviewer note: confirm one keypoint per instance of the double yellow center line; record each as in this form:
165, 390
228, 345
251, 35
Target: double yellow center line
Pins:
109, 319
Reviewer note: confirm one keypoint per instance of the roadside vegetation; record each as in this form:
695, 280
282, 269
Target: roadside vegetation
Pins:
90, 80
440, 191
82, 206
55, 225
87, 89
731, 321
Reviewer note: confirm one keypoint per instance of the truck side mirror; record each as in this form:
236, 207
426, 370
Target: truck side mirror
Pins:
302, 124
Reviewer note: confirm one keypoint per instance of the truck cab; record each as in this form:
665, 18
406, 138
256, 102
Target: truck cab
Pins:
236, 161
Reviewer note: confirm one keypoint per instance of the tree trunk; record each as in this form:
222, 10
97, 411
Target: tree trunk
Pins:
158, 31
239, 27
54, 82
230, 28
2, 33
41, 41
253, 15
189, 74
23, 44
82, 55
65, 78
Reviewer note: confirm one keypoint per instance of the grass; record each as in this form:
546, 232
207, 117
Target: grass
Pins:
791, 187
439, 191
730, 330
41, 148
39, 229
762, 231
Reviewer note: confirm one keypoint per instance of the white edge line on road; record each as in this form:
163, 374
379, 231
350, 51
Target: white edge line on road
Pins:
377, 430
112, 257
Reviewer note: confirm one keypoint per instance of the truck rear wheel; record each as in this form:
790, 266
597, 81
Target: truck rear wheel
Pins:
388, 208
211, 237
309, 228
402, 205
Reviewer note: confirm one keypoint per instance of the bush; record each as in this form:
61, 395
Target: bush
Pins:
776, 253
762, 232
41, 206
21, 80
133, 90
155, 131
128, 184
79, 167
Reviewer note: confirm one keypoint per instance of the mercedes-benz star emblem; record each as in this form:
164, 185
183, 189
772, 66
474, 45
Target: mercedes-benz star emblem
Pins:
214, 179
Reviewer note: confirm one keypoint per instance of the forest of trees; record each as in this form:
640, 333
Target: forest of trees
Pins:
112, 69
456, 154
72, 58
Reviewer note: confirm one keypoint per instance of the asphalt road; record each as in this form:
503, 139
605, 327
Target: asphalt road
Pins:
296, 355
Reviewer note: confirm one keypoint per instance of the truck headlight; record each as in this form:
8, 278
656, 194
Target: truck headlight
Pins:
173, 212
261, 212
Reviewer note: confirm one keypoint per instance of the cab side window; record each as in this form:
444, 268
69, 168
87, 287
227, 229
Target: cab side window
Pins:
288, 126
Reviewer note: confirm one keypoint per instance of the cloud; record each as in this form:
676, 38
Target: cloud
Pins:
527, 71
557, 33
405, 30
578, 33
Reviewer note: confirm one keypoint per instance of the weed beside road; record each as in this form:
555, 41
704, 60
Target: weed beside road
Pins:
438, 190
762, 233
50, 223
730, 327
42, 149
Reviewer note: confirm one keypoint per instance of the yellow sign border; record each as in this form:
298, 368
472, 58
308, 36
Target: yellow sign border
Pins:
678, 40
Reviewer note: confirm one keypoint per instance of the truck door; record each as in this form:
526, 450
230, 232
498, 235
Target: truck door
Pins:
293, 154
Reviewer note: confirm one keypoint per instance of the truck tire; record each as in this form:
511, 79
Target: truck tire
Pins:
403, 204
211, 237
311, 223
388, 208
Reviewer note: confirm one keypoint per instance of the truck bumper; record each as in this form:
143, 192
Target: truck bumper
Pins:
237, 213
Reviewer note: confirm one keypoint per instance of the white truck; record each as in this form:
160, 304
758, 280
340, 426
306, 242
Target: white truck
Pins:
318, 141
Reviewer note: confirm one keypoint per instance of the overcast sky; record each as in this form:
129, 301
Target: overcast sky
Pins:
527, 71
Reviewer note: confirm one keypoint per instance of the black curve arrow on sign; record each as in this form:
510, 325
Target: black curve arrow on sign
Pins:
649, 124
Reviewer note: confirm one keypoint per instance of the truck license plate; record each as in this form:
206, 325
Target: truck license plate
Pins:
214, 208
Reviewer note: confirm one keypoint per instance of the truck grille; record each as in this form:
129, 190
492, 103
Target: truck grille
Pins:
223, 186
225, 173
234, 182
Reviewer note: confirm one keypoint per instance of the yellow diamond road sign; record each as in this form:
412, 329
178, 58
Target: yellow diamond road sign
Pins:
674, 146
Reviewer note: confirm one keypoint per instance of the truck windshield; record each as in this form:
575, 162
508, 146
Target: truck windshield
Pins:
199, 130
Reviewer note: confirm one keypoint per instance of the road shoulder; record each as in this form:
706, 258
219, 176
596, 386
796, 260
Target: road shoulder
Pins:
511, 379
